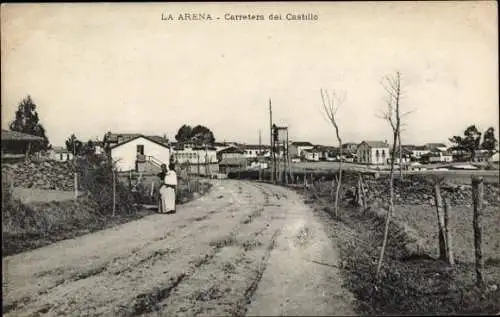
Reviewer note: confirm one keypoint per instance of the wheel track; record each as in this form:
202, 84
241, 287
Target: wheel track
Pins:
149, 302
157, 294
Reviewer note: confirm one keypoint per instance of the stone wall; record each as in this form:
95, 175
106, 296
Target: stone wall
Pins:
41, 175
415, 190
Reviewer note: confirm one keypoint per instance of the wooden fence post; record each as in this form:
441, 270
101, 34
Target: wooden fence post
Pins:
449, 242
114, 192
440, 218
477, 200
75, 184
305, 182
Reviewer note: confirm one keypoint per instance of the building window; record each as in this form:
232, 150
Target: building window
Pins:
140, 149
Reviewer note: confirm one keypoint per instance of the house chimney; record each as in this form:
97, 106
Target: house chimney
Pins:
386, 141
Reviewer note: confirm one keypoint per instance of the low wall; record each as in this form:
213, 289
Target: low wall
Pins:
41, 175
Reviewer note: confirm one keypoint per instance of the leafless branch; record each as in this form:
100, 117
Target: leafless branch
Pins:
392, 86
331, 105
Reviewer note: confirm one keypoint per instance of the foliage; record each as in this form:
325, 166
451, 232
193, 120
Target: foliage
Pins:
74, 145
97, 179
199, 134
489, 140
469, 143
184, 133
27, 121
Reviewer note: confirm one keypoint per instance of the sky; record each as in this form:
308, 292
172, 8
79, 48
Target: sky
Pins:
93, 68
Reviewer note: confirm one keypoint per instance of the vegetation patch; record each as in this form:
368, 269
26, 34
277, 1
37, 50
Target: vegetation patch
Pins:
408, 286
30, 226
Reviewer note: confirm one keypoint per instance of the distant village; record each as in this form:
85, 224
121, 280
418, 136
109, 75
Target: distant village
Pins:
145, 153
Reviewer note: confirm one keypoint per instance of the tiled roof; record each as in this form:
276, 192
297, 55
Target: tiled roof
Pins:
255, 146
302, 143
232, 149
435, 145
114, 137
377, 144
420, 148
128, 139
18, 136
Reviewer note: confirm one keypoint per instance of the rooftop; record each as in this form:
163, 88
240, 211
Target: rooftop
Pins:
302, 143
376, 144
114, 137
19, 136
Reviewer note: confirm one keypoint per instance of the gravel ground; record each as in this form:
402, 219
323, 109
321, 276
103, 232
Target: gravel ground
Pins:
245, 248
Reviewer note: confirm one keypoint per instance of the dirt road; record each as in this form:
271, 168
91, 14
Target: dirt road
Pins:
243, 249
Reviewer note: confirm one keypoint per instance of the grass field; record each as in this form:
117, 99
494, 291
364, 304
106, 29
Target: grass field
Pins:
421, 285
32, 218
423, 219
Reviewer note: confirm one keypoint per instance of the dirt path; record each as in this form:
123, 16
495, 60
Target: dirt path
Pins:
245, 248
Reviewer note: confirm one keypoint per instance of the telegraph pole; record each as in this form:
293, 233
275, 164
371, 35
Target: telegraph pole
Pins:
260, 143
272, 142
259, 155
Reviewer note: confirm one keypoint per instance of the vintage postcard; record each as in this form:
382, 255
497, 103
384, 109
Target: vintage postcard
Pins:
250, 158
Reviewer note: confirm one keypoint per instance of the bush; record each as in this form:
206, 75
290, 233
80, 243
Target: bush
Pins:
97, 179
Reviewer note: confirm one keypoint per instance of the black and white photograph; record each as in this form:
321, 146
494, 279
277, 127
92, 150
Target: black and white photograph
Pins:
250, 158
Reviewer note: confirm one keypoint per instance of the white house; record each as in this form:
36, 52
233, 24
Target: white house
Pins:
252, 151
98, 148
128, 153
194, 154
418, 151
296, 148
372, 152
60, 153
311, 155
439, 156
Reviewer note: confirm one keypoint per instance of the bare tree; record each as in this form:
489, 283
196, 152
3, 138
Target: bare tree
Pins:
392, 85
400, 151
330, 106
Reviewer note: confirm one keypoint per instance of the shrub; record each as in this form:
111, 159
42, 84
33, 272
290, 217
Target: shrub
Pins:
97, 179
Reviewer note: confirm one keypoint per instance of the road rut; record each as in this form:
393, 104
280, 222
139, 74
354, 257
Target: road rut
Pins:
243, 249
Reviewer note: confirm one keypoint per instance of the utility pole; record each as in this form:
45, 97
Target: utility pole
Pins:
259, 155
260, 143
206, 160
285, 157
271, 139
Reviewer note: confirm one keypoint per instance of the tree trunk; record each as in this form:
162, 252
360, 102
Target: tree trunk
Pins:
391, 207
332, 191
339, 180
400, 156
